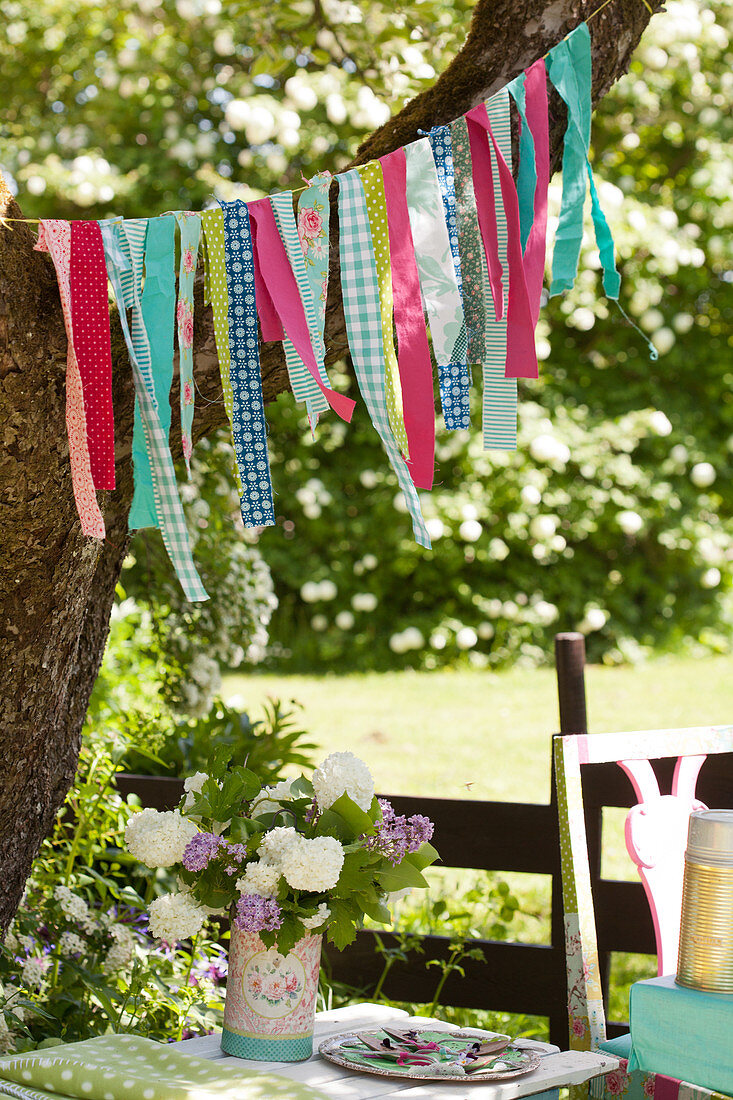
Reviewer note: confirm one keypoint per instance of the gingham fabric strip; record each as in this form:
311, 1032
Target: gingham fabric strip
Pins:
500, 393
277, 275
364, 330
249, 428
371, 180
90, 323
123, 248
158, 305
569, 69
215, 292
314, 206
189, 225
526, 169
438, 283
469, 241
484, 191
302, 382
413, 350
521, 358
535, 88
54, 236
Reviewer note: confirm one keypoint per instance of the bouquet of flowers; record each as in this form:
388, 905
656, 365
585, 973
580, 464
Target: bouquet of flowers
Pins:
305, 855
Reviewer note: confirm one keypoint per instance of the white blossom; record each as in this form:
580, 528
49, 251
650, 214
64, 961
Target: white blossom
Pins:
545, 448
344, 620
192, 785
175, 917
659, 422
595, 619
318, 919
470, 530
71, 944
466, 638
74, 907
343, 773
313, 865
270, 799
630, 522
275, 843
159, 839
702, 475
435, 527
364, 601
33, 970
710, 578
260, 878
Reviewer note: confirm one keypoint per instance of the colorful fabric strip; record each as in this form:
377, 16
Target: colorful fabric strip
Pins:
284, 311
54, 236
302, 382
535, 88
469, 241
249, 428
216, 293
90, 322
484, 191
189, 225
158, 304
364, 329
313, 204
526, 171
521, 359
413, 356
569, 69
438, 283
123, 247
373, 184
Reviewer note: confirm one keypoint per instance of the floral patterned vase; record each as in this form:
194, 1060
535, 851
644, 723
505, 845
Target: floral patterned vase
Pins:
271, 999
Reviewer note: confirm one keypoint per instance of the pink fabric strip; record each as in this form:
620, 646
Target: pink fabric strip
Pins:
665, 1088
413, 350
55, 237
270, 324
277, 274
521, 357
477, 121
535, 90
90, 322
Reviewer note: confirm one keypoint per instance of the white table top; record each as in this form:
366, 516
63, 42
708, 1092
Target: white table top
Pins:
571, 1067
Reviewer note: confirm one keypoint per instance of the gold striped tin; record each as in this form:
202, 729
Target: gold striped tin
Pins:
705, 958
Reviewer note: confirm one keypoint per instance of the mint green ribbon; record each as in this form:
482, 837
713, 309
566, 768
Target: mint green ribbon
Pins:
569, 69
527, 172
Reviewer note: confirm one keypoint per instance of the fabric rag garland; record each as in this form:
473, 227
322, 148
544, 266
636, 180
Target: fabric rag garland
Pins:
434, 235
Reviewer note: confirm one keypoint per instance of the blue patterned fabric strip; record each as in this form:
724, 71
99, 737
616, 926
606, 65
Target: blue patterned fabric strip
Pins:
362, 313
249, 429
124, 245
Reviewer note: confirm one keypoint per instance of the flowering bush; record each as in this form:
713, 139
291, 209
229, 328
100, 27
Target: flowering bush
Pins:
300, 856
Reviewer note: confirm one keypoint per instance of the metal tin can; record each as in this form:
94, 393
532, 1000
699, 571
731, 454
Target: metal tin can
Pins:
705, 959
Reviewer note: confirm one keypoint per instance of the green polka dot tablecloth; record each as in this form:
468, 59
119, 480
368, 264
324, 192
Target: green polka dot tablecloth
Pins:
126, 1067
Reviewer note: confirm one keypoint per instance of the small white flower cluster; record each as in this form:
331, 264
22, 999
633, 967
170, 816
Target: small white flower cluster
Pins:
318, 919
192, 785
74, 907
270, 799
159, 839
343, 773
175, 917
71, 944
260, 877
313, 865
122, 950
33, 971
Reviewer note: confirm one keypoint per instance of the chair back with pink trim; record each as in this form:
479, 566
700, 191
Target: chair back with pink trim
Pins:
656, 835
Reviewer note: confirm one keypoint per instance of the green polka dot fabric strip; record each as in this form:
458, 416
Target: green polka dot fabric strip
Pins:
373, 184
127, 1067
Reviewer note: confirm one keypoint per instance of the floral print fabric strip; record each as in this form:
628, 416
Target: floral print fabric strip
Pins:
55, 237
189, 225
373, 184
249, 428
314, 217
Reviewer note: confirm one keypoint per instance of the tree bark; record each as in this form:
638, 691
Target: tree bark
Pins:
57, 587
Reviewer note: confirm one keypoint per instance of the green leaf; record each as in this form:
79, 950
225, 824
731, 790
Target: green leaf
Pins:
423, 857
402, 877
357, 820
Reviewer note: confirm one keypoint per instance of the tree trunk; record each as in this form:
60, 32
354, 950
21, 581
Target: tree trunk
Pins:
57, 587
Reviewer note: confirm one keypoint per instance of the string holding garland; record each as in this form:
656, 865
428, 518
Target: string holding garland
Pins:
438, 229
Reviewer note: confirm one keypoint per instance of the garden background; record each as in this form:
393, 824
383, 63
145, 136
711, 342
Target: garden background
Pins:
614, 516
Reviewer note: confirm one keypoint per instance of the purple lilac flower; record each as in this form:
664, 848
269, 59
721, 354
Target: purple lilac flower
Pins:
237, 853
311, 814
257, 914
397, 835
200, 851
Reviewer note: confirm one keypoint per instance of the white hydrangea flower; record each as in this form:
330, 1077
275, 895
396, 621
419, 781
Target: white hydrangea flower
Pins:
343, 772
192, 785
313, 865
159, 839
260, 878
71, 944
318, 919
270, 799
33, 971
276, 843
175, 917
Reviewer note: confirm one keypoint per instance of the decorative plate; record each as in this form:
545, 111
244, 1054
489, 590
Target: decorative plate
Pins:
425, 1055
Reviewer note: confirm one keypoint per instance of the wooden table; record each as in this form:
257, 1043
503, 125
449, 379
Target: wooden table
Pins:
571, 1067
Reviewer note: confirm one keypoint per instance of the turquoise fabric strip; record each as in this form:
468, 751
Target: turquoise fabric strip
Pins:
569, 69
364, 330
158, 310
527, 172
124, 245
